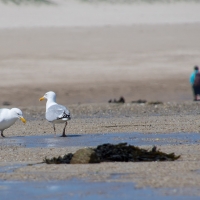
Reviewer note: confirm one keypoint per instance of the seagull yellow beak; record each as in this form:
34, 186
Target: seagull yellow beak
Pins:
23, 120
41, 99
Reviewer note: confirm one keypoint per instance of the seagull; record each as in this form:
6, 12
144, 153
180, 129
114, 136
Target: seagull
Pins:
8, 117
55, 113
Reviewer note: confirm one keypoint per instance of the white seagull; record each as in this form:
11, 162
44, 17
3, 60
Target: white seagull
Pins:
8, 117
55, 113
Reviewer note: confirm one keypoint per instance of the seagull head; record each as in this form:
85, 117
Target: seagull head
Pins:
49, 96
17, 113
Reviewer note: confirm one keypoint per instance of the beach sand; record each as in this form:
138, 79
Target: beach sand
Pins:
108, 119
95, 64
88, 65
139, 51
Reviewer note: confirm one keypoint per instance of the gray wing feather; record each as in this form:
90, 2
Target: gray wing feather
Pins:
57, 112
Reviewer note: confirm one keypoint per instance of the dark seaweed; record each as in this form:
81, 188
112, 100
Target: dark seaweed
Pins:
120, 153
121, 100
123, 153
155, 102
59, 160
139, 101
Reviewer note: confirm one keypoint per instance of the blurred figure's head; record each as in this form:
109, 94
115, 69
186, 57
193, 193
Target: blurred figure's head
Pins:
196, 68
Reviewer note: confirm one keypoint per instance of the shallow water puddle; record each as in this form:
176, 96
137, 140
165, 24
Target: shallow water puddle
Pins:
10, 168
77, 189
97, 139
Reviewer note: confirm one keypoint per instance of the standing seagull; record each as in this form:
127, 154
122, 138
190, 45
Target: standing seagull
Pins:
55, 113
8, 117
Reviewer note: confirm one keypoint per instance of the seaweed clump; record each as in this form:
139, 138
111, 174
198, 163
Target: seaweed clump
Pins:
115, 153
128, 153
59, 160
139, 101
121, 100
155, 102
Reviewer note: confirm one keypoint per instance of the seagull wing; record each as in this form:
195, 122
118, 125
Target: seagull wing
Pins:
57, 112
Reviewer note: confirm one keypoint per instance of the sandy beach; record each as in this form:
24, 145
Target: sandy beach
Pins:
108, 119
147, 53
95, 64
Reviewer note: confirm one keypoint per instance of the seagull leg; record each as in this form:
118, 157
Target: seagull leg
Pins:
63, 135
54, 128
2, 134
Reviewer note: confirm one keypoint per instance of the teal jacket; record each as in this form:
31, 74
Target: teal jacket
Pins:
192, 77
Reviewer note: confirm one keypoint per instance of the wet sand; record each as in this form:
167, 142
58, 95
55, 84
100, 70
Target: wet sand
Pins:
107, 119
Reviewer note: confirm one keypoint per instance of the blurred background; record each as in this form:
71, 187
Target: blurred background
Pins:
90, 51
